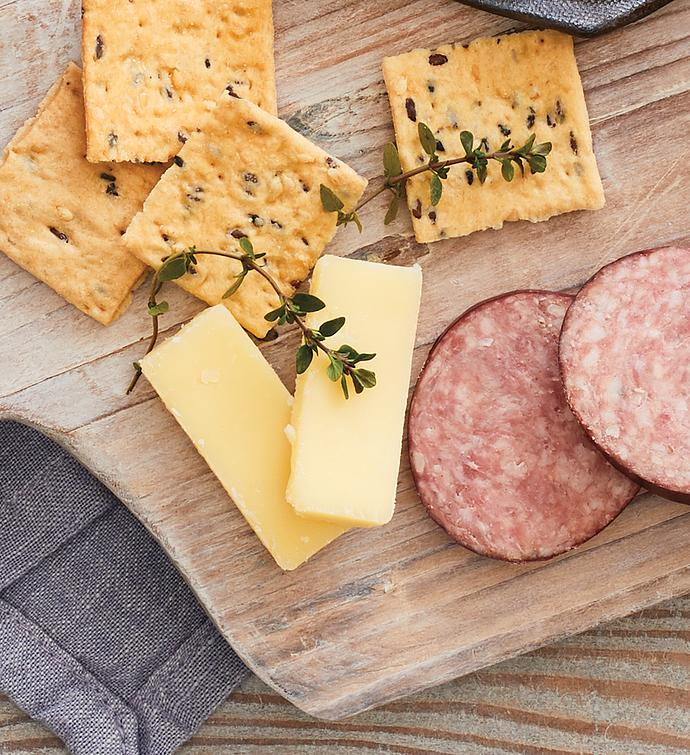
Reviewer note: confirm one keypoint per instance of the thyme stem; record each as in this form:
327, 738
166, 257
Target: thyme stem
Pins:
342, 361
395, 179
156, 286
307, 332
392, 181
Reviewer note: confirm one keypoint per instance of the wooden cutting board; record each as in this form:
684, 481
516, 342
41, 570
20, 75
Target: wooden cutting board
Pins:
379, 613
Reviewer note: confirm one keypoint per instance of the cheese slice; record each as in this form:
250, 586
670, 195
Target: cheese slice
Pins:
346, 453
233, 406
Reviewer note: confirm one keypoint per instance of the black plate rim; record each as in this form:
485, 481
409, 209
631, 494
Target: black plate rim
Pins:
581, 28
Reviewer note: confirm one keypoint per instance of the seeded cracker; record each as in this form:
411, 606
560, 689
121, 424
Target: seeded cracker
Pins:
151, 68
62, 217
497, 88
246, 173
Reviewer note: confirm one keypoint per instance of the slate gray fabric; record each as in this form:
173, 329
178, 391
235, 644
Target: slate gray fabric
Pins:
100, 638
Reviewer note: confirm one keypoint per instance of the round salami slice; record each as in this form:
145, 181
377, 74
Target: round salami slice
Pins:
498, 459
625, 362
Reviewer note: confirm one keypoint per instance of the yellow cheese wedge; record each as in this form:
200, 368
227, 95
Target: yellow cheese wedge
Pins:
346, 453
233, 406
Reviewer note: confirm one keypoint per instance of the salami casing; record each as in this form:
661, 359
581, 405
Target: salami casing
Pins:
625, 361
498, 459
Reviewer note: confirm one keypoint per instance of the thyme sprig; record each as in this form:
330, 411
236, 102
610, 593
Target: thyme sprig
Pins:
342, 362
478, 159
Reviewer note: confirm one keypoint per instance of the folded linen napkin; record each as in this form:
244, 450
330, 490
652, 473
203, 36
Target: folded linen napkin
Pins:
100, 637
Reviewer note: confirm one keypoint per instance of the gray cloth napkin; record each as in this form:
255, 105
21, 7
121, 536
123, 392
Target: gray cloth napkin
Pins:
100, 638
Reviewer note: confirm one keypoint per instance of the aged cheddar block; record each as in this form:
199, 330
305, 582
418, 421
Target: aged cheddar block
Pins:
234, 408
151, 66
498, 88
61, 217
346, 453
244, 173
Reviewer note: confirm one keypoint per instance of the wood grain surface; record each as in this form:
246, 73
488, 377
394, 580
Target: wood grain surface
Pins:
380, 613
623, 688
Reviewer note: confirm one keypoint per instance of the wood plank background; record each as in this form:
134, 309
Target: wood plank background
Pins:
623, 688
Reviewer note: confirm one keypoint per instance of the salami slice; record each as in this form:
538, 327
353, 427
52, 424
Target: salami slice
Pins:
498, 459
625, 361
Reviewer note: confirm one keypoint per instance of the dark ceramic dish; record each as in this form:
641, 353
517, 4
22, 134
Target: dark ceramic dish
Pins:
581, 17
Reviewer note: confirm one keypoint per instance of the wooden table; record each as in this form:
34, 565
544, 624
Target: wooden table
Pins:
623, 688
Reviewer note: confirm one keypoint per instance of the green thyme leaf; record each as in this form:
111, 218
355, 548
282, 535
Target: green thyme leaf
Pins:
520, 164
343, 385
364, 357
335, 369
527, 146
275, 314
391, 161
172, 269
426, 139
349, 217
348, 352
303, 358
542, 149
307, 302
331, 327
507, 170
366, 377
435, 189
330, 200
155, 310
467, 141
239, 280
247, 246
392, 212
537, 163
481, 167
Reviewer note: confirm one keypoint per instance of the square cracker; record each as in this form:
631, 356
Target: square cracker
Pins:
62, 217
498, 87
245, 173
151, 67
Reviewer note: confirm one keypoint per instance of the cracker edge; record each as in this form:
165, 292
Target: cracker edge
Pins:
45, 102
21, 132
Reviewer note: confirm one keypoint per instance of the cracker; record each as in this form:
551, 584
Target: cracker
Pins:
152, 66
244, 173
62, 217
497, 87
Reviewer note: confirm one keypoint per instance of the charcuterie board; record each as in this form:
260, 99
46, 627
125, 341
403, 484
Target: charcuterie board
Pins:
379, 613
